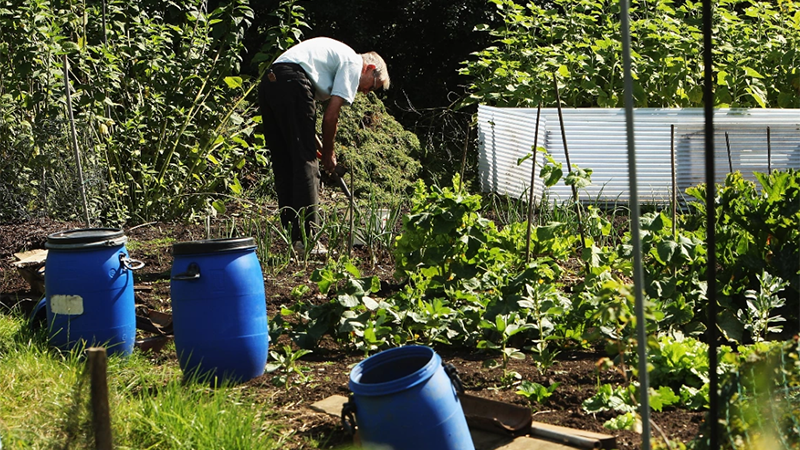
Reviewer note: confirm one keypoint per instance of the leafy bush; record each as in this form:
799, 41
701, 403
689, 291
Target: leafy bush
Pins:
756, 54
157, 115
759, 398
758, 232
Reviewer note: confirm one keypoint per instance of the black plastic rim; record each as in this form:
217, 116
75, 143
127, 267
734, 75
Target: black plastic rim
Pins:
86, 237
212, 246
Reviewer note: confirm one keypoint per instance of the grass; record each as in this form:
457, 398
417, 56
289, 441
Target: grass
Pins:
44, 402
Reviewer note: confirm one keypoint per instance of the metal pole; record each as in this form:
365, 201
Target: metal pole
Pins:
638, 272
533, 178
711, 220
75, 141
769, 151
674, 181
352, 215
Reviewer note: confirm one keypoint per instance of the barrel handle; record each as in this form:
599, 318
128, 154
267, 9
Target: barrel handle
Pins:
348, 417
130, 263
452, 372
192, 273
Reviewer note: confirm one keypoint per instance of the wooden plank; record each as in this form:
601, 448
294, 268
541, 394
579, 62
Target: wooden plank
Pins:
485, 440
606, 440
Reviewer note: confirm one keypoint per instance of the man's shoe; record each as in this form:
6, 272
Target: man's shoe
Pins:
319, 249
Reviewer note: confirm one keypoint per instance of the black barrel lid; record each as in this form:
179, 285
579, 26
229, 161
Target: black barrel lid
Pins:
213, 246
86, 237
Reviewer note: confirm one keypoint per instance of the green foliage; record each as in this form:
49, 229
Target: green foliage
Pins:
756, 60
535, 392
759, 319
757, 232
759, 398
443, 232
349, 315
674, 269
288, 22
162, 119
286, 363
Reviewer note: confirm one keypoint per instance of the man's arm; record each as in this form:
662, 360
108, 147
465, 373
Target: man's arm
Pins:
330, 122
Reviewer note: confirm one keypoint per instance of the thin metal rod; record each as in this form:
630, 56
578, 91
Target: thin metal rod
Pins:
464, 157
75, 141
569, 166
769, 151
674, 181
711, 220
533, 178
638, 272
728, 146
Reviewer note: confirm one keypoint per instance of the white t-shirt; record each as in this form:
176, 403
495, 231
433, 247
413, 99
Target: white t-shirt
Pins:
332, 67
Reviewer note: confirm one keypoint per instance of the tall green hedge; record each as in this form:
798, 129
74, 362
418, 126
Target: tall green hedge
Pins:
756, 54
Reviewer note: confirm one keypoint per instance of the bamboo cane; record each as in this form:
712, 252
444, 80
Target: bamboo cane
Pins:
569, 166
75, 141
728, 146
533, 178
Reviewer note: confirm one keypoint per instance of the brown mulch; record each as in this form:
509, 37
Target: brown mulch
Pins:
328, 368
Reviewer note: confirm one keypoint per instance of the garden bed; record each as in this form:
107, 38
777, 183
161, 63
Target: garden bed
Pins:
326, 369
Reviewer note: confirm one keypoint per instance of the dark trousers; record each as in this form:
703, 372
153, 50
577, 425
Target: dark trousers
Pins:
286, 100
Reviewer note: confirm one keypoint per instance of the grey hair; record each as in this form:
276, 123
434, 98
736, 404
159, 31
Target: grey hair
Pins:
380, 67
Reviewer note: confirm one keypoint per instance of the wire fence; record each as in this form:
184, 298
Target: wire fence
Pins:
760, 402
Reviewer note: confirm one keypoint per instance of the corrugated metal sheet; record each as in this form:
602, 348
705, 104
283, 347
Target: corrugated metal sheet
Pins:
596, 140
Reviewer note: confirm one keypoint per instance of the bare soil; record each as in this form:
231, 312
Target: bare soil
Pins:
329, 366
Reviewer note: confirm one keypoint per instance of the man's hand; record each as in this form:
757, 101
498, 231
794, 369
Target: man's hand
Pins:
328, 164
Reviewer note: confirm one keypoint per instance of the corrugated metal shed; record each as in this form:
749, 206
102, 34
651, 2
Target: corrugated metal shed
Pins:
596, 140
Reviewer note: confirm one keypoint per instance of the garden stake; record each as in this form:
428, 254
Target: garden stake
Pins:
674, 182
711, 220
75, 141
769, 152
101, 416
352, 216
533, 177
464, 157
569, 166
638, 272
728, 146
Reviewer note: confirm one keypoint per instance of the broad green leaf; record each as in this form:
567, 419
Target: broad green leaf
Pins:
750, 72
233, 82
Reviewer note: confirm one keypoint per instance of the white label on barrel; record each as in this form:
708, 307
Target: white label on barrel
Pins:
66, 304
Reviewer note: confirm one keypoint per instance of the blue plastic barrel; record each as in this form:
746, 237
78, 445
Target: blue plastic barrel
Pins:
89, 290
403, 399
219, 309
